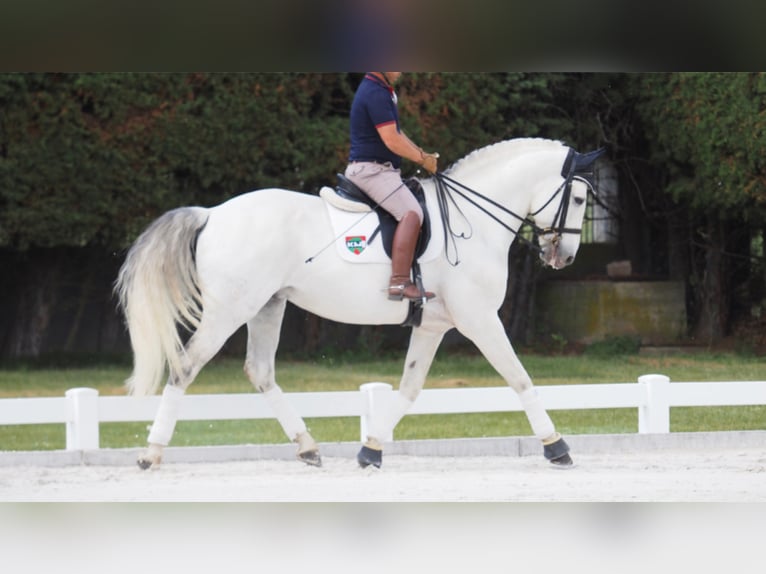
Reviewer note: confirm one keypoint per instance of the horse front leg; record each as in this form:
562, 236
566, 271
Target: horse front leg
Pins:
262, 341
489, 336
420, 356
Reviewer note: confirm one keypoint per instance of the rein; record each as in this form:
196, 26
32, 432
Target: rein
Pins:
446, 186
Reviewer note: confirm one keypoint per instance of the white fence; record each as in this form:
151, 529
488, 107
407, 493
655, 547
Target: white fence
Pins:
82, 409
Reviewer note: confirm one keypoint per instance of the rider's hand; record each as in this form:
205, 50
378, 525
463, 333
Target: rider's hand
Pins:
429, 162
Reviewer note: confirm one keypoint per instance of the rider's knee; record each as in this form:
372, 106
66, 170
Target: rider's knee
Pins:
414, 212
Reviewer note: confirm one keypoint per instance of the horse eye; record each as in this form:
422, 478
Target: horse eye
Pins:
579, 200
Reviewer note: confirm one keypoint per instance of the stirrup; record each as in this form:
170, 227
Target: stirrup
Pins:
396, 292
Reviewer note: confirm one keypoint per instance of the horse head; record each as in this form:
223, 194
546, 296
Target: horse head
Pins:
559, 218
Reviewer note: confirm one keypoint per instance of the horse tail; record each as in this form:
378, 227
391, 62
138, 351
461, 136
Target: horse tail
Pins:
159, 292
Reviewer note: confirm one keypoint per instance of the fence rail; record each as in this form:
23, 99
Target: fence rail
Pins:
82, 409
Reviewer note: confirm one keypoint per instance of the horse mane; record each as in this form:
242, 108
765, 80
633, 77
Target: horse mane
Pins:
508, 149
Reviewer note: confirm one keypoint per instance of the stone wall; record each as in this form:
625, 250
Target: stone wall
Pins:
590, 311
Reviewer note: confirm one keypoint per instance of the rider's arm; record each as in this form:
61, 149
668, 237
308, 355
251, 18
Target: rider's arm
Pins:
404, 147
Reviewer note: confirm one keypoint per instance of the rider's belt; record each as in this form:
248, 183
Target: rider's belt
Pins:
386, 163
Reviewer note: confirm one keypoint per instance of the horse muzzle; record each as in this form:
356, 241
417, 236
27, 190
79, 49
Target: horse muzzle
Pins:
557, 262
554, 256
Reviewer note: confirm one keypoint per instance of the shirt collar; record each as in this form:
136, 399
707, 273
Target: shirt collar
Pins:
380, 83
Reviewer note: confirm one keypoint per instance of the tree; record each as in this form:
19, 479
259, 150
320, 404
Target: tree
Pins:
88, 160
705, 132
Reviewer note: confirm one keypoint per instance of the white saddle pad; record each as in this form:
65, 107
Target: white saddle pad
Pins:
354, 231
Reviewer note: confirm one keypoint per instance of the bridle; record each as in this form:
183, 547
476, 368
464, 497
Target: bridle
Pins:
558, 226
446, 186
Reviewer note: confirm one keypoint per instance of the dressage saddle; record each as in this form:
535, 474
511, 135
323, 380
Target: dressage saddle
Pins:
350, 191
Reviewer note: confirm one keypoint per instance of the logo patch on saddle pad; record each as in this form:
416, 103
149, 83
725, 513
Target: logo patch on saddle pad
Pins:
356, 243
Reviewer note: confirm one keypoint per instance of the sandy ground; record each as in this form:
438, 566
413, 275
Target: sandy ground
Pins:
248, 530
719, 475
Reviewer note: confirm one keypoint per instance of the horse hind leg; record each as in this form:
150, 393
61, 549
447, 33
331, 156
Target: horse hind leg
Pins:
262, 341
202, 346
163, 427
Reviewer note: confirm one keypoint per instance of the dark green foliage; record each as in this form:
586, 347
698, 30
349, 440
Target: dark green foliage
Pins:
457, 113
706, 136
614, 347
709, 132
92, 158
88, 160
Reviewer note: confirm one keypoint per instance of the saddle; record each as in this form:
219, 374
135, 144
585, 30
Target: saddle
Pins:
356, 200
349, 191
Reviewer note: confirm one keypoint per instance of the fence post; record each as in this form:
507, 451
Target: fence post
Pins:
82, 419
375, 394
654, 415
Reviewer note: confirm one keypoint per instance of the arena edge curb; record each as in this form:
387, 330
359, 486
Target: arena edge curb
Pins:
461, 447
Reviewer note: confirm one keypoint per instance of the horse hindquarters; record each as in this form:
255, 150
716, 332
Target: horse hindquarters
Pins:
159, 290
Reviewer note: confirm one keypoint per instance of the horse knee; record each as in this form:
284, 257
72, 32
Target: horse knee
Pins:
409, 393
410, 389
521, 386
259, 379
264, 386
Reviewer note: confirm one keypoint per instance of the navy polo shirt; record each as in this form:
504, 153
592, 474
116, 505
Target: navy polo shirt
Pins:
374, 105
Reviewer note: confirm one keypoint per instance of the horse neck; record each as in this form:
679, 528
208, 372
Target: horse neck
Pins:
471, 220
511, 181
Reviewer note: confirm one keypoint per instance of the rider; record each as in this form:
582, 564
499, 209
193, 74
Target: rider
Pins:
377, 147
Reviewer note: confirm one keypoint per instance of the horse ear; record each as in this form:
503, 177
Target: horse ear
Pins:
583, 161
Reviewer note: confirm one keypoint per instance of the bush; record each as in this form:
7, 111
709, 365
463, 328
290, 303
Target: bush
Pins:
615, 346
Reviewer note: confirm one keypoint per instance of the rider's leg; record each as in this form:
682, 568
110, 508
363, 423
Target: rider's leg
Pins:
402, 253
384, 185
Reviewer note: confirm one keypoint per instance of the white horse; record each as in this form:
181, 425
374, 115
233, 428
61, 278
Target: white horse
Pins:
210, 270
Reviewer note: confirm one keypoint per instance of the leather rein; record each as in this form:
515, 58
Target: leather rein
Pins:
446, 187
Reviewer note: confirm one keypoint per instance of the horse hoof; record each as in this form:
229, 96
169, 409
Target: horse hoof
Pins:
310, 457
368, 456
144, 463
564, 461
558, 454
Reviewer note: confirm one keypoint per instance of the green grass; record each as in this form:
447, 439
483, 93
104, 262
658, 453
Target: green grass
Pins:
450, 370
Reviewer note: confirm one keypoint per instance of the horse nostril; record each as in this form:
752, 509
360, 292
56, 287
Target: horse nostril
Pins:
570, 259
